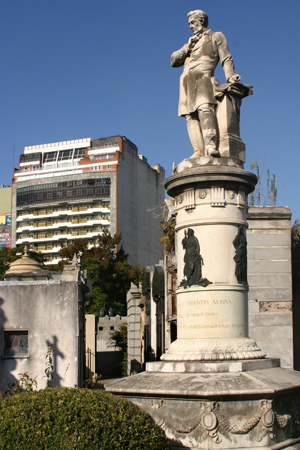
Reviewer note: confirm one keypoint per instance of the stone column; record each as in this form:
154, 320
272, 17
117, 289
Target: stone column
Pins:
212, 312
90, 345
133, 299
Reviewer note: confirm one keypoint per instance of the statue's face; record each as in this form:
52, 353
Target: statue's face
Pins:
195, 24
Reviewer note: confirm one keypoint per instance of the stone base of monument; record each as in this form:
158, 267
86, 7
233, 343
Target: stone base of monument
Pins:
253, 404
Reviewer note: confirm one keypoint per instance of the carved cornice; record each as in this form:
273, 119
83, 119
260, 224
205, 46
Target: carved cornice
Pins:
200, 176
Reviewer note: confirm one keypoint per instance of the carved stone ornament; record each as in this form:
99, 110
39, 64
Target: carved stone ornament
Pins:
202, 193
217, 196
230, 194
209, 422
241, 200
180, 199
213, 350
217, 421
263, 418
286, 414
189, 199
198, 417
193, 261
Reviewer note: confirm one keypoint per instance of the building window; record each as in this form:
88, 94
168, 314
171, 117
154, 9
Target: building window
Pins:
100, 328
30, 157
15, 343
78, 153
111, 328
98, 187
49, 157
65, 154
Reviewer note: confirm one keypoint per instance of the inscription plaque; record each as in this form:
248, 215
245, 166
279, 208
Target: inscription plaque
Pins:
222, 315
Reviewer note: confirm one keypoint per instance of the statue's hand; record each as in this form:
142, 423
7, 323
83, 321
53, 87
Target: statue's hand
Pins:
192, 41
234, 78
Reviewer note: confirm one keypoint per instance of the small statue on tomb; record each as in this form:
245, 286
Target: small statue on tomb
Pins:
240, 258
193, 261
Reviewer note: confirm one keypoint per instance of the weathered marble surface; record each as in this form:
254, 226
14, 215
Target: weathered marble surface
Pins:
256, 409
206, 385
211, 367
211, 110
212, 320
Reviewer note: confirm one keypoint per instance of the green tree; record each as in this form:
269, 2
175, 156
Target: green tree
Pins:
109, 270
99, 300
168, 235
110, 273
68, 251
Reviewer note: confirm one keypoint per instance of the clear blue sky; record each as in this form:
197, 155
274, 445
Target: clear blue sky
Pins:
94, 68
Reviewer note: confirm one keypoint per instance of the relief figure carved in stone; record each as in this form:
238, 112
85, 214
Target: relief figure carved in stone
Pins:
240, 258
193, 261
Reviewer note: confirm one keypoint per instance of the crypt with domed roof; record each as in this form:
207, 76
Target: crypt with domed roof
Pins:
41, 312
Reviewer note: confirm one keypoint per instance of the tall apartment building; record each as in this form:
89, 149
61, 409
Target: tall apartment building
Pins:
75, 189
5, 215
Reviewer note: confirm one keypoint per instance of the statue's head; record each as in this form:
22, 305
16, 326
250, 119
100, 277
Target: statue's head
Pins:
241, 231
198, 20
190, 232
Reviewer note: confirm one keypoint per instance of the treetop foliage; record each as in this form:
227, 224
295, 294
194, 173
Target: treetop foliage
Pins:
109, 270
168, 235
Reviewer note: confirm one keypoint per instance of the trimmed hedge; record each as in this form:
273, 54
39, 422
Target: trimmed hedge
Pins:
63, 418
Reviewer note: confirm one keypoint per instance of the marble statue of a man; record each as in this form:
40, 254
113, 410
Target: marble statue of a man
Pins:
197, 102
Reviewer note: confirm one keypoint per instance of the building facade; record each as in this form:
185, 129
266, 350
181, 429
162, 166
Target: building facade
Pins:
5, 216
76, 189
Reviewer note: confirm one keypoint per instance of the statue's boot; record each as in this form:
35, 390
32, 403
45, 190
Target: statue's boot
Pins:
196, 154
210, 144
195, 135
207, 121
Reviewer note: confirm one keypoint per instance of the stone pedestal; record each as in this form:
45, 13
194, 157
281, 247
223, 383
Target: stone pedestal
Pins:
228, 119
253, 404
214, 388
210, 199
